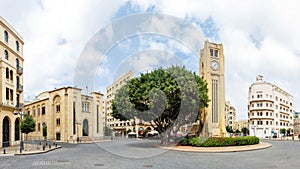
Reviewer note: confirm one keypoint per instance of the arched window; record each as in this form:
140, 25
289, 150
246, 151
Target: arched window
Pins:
18, 81
17, 46
5, 36
11, 74
7, 73
6, 54
85, 128
5, 132
17, 129
17, 63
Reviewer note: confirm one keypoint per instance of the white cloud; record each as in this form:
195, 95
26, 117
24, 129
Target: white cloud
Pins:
274, 25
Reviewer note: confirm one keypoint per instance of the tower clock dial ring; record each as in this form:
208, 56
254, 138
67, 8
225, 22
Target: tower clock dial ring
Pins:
214, 65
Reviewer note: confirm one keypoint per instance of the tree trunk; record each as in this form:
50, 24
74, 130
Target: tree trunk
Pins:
164, 138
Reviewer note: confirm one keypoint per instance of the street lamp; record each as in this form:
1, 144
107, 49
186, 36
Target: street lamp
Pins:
21, 113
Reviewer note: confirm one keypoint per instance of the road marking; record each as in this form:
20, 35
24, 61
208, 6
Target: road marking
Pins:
51, 162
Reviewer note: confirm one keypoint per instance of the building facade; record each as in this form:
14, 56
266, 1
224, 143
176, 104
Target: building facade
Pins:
11, 84
230, 116
120, 126
242, 124
68, 115
211, 68
270, 109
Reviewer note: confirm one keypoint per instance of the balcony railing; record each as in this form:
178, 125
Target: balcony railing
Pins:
19, 88
19, 69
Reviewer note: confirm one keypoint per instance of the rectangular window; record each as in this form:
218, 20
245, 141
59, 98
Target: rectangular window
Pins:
97, 118
43, 110
33, 112
7, 94
211, 52
215, 108
58, 122
216, 53
74, 118
11, 95
267, 122
39, 126
38, 111
85, 106
57, 108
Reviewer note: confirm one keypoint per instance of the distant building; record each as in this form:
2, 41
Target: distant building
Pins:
270, 109
296, 123
230, 115
121, 127
241, 124
11, 84
68, 115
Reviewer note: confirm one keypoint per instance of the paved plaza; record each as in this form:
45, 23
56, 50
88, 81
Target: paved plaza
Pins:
143, 154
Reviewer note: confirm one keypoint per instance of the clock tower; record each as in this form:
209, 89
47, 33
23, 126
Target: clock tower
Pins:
211, 69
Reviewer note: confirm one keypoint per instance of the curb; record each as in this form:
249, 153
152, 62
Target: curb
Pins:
38, 152
229, 149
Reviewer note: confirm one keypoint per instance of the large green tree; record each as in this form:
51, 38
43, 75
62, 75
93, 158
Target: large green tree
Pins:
167, 98
27, 125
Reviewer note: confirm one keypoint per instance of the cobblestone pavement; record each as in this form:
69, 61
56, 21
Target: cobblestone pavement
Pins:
283, 154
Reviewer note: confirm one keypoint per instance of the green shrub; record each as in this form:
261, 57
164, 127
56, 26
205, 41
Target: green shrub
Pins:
194, 141
185, 141
219, 141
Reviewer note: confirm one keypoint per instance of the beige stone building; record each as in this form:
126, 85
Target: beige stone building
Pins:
121, 127
11, 83
241, 124
111, 122
211, 68
68, 115
230, 116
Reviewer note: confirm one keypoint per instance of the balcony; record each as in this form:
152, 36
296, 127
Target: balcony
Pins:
19, 69
19, 88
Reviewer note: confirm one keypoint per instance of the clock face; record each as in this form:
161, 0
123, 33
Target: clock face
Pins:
214, 65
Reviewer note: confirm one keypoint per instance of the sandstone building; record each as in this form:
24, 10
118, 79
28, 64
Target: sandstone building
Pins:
68, 115
11, 84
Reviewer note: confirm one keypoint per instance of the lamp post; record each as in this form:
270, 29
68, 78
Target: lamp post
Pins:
21, 113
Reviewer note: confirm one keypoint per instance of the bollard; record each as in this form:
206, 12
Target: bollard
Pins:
4, 151
55, 144
49, 146
43, 147
20, 150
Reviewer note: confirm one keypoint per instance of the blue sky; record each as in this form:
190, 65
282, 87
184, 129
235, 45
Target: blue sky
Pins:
258, 38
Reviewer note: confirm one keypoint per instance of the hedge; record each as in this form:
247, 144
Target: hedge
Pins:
219, 141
